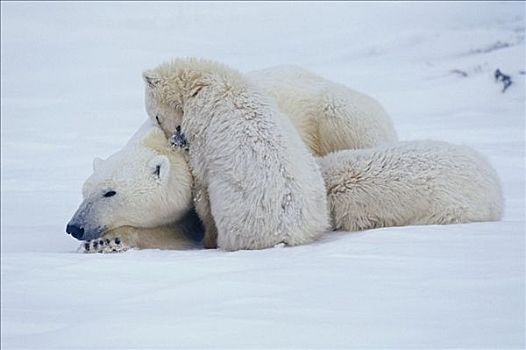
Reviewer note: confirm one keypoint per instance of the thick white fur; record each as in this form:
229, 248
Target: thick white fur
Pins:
257, 183
410, 183
153, 190
406, 183
329, 116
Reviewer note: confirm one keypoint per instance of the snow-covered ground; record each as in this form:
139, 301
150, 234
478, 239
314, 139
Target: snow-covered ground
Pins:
72, 90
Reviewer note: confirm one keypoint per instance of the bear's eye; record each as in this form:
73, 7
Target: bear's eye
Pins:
110, 194
158, 121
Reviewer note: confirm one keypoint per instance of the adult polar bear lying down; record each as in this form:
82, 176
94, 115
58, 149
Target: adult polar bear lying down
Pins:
406, 183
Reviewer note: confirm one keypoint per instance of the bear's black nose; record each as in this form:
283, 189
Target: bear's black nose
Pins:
75, 231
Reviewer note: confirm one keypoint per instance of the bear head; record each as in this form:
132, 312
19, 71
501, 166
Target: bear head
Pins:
146, 184
170, 86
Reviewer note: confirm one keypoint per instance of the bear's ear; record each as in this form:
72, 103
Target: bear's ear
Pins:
151, 78
160, 167
97, 163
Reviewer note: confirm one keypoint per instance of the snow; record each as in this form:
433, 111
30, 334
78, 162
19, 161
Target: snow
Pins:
72, 90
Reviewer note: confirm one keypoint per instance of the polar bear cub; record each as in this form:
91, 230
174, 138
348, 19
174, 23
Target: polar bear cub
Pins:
410, 183
329, 116
256, 182
142, 193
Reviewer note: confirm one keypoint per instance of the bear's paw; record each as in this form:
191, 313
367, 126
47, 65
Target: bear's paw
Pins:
104, 245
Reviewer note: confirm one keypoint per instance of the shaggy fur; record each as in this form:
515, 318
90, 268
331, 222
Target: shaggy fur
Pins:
257, 184
151, 182
423, 182
410, 183
328, 116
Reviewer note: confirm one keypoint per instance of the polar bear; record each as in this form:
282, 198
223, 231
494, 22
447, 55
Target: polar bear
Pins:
410, 183
142, 193
406, 183
256, 182
329, 116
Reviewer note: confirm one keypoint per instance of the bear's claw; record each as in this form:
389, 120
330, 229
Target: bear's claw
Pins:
104, 246
178, 139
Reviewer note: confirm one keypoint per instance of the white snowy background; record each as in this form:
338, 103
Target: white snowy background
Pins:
72, 90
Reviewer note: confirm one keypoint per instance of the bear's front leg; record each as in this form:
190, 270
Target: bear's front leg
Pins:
202, 207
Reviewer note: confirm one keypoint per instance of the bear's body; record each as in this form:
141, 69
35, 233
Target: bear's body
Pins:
256, 183
410, 183
329, 116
